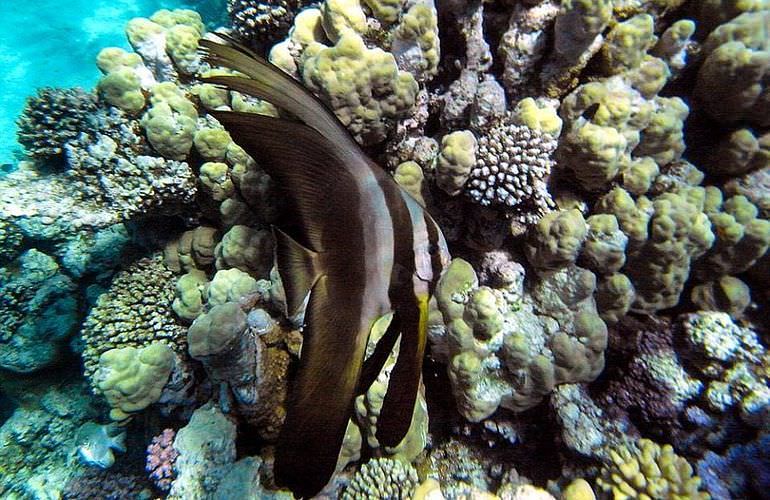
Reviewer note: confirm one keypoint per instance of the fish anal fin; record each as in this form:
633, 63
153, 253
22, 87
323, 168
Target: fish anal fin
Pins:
321, 398
299, 268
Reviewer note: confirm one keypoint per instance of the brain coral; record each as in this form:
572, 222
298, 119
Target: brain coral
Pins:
134, 311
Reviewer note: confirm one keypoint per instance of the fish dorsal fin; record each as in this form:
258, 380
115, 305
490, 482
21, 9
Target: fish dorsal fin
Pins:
299, 268
268, 82
308, 169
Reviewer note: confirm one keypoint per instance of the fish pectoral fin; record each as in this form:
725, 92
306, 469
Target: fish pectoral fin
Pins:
397, 407
299, 268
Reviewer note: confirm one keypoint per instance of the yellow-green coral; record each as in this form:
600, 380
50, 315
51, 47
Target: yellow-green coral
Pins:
742, 151
731, 83
455, 161
418, 28
501, 351
556, 240
212, 143
182, 46
742, 237
728, 294
605, 245
140, 29
113, 58
614, 295
387, 11
663, 138
189, 293
679, 233
170, 122
363, 86
229, 285
410, 177
627, 43
537, 116
131, 379
341, 17
215, 180
248, 249
637, 178
308, 28
595, 154
632, 216
193, 250
649, 470
122, 89
577, 30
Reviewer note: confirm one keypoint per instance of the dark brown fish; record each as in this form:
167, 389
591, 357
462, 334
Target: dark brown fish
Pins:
357, 243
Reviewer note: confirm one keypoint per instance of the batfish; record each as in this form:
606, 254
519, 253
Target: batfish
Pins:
356, 242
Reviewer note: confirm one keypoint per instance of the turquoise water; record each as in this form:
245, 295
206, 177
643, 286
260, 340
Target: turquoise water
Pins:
50, 46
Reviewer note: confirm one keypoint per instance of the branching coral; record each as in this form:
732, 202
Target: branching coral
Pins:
161, 456
382, 478
263, 20
513, 163
52, 118
134, 312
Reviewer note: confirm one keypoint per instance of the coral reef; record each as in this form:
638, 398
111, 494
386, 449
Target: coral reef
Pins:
600, 171
161, 459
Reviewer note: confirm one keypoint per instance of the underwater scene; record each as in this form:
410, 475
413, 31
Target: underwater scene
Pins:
385, 249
